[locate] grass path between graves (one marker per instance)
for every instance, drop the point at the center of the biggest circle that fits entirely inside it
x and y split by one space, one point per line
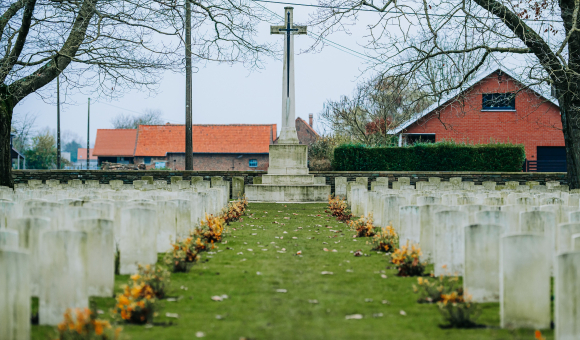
255 310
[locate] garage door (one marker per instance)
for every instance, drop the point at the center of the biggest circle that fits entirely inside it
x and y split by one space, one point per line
551 159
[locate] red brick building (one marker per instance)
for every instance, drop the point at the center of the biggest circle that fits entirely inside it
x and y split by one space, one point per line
215 147
115 145
494 106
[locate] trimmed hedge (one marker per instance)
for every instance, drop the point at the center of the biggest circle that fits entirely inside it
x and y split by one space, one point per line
442 156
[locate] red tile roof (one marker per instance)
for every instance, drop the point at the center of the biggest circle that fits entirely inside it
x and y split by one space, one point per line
158 140
115 142
82 154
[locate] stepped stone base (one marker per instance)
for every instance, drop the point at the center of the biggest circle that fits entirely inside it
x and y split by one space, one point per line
288 179
287 193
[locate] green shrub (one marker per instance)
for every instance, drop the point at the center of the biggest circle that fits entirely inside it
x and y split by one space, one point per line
442 156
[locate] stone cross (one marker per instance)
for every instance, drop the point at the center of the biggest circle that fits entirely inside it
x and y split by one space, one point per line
288 133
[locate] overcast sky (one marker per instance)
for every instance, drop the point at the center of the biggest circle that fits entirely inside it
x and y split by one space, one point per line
224 94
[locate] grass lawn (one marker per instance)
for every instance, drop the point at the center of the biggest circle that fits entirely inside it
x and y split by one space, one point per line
255 310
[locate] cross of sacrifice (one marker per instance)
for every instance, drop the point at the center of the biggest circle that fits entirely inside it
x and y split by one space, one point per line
289 30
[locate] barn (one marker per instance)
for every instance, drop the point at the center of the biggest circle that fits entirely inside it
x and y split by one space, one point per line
494 107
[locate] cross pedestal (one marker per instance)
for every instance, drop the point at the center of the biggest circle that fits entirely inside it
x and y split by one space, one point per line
288 179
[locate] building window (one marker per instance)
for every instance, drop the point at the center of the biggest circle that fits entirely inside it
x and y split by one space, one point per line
499 101
253 163
147 160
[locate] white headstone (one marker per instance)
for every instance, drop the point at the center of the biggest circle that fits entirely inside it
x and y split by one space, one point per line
564 236
481 277
14 295
167 223
183 217
138 241
30 231
508 220
390 210
340 187
472 209
63 275
8 238
567 296
409 226
524 282
101 252
449 242
575 242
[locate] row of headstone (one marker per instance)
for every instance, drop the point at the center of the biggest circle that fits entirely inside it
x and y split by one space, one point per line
59 244
506 244
235 188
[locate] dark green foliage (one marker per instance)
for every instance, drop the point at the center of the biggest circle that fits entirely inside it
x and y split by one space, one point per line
442 156
73 148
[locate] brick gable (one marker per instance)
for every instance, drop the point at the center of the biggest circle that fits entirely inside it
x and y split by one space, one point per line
535 121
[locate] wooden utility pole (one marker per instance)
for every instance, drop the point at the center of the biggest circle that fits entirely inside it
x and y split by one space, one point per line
58 122
88 130
188 122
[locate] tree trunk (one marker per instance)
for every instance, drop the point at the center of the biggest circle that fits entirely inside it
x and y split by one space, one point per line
6 107
569 104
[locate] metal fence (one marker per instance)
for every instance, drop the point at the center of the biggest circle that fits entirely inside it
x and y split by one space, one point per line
545 166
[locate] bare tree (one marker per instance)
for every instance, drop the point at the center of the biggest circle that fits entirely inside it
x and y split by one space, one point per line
22 127
543 36
109 47
376 107
148 117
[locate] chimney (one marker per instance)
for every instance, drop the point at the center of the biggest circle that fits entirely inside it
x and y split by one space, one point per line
310 120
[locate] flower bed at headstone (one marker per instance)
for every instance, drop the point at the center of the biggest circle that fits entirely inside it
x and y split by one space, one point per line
363 226
137 303
430 290
211 229
82 324
455 306
235 210
407 260
386 240
185 253
338 208
458 310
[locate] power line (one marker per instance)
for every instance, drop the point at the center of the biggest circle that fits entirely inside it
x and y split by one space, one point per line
124 109
394 12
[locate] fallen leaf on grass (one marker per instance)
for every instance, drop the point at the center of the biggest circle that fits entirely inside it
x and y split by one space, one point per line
385 302
349 271
281 290
354 317
250 250
325 249
313 301
383 276
358 253
378 315
200 334
294 238
216 298
326 273
368 300
172 315
299 252
334 250
402 312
